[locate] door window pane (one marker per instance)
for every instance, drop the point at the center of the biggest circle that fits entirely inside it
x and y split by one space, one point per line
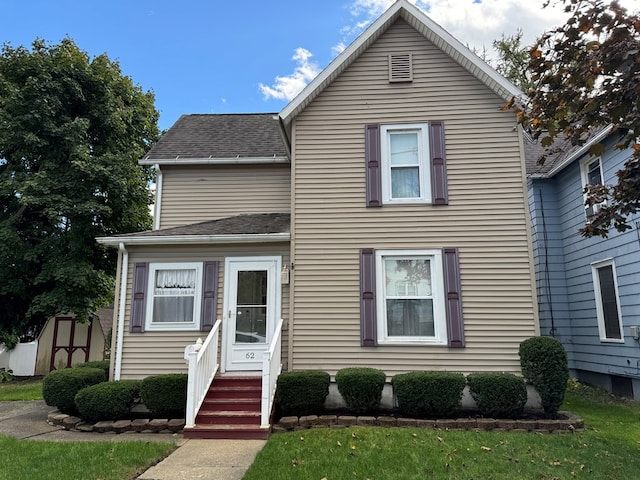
251 307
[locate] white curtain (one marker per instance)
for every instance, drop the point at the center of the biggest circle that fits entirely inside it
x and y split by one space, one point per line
174 294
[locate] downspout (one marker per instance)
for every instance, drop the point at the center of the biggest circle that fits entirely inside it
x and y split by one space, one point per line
123 295
158 199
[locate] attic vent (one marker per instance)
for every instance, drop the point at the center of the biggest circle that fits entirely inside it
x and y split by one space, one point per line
400 67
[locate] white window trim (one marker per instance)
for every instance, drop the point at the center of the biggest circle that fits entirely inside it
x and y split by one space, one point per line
584 175
439 311
173 326
424 170
598 296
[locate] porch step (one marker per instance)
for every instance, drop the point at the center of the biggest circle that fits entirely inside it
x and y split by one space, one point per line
229 417
238 432
231 409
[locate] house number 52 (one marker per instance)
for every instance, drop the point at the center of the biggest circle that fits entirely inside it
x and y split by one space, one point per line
250 356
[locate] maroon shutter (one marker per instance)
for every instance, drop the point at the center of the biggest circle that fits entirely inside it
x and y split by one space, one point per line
453 298
372 160
138 301
368 297
209 295
438 163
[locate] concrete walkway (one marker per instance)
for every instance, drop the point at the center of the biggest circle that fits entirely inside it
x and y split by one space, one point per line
193 460
207 460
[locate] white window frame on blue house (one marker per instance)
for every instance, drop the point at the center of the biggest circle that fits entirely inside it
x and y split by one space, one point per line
596 268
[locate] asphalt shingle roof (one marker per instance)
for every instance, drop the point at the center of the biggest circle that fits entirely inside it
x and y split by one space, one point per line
221 136
248 224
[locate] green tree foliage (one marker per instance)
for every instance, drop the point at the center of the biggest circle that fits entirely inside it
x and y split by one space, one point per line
71 131
513 60
587 76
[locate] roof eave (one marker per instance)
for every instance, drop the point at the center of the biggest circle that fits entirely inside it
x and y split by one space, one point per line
194 239
215 161
580 152
431 30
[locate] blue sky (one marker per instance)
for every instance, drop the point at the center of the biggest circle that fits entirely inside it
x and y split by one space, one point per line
204 56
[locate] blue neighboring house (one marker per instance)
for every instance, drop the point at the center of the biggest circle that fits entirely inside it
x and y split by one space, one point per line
588 288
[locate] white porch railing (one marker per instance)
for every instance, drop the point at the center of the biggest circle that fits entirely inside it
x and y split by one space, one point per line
203 366
271 368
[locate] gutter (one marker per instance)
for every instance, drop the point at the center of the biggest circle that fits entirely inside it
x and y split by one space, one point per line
124 269
194 239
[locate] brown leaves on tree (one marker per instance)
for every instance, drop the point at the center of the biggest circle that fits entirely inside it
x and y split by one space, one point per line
587 77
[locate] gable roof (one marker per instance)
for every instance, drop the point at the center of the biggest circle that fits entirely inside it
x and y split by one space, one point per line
563 153
402 9
220 138
253 228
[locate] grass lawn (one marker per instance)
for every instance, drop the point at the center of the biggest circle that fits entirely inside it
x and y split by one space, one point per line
21 390
608 449
31 459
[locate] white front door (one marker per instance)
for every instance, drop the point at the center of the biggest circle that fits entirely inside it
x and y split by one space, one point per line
251 310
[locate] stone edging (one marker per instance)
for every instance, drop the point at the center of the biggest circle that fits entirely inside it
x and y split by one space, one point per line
569 423
140 425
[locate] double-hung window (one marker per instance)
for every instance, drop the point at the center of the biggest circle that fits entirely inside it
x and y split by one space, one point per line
410 297
405 163
607 305
174 300
591 173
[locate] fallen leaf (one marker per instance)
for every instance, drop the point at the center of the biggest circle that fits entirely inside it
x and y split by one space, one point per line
440 439
556 463
353 435
353 447
339 443
486 449
302 439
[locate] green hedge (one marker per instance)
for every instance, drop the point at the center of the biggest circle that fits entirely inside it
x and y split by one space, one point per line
544 364
107 400
165 395
302 393
498 395
361 388
429 394
60 387
103 364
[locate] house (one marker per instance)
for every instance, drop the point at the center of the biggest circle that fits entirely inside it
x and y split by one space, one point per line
382 215
587 287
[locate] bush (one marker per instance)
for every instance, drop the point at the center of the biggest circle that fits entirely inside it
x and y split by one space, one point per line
498 395
361 388
103 364
302 393
107 400
165 395
544 364
428 394
60 387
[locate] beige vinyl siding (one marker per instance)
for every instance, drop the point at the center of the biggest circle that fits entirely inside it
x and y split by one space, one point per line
485 219
153 353
192 194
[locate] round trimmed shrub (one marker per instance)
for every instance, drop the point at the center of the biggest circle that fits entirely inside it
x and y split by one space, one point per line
103 364
361 388
544 363
107 400
60 387
302 393
165 396
498 395
428 394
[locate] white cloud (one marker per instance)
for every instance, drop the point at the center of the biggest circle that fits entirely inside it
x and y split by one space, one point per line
287 87
475 23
